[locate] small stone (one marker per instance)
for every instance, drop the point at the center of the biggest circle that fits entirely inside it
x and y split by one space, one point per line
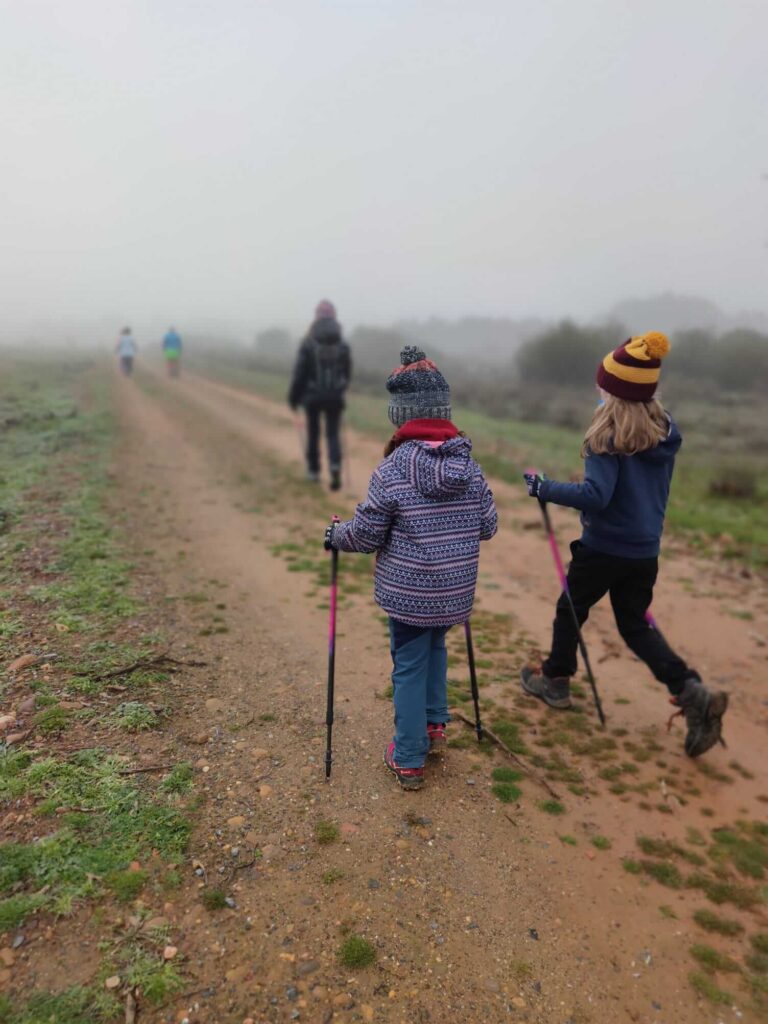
307 967
170 952
7 957
294 1015
251 838
258 753
237 974
470 782
518 1001
491 985
16 737
7 722
533 933
199 739
367 1012
18 941
230 903
235 851
27 706
112 982
374 883
237 822
23 662
265 791
292 993
348 829
214 705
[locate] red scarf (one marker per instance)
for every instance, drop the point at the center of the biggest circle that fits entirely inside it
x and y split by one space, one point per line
422 430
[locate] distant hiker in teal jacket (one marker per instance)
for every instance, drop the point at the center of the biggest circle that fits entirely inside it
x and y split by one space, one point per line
629 453
172 352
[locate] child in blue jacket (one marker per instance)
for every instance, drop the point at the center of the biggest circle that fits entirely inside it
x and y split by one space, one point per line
629 453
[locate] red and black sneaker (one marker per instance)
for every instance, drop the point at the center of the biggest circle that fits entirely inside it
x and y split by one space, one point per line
436 734
409 778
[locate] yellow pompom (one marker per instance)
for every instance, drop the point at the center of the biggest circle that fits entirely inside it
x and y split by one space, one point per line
656 344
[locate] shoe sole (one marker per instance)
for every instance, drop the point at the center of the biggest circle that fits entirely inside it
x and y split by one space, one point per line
437 748
562 704
718 705
410 784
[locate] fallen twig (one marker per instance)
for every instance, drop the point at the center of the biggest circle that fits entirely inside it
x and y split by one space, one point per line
510 753
156 662
241 867
149 768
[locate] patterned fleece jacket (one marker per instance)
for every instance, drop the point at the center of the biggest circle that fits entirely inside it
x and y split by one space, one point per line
428 508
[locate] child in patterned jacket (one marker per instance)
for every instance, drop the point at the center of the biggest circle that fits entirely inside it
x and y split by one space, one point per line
428 508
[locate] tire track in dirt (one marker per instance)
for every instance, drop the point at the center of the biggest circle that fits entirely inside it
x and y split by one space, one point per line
446 883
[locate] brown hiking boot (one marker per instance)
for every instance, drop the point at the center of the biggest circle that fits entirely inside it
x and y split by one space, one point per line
703 711
555 692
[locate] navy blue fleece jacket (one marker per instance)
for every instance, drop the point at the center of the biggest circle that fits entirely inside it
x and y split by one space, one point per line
623 498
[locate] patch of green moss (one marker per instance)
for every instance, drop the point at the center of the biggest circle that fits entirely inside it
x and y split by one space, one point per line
356 952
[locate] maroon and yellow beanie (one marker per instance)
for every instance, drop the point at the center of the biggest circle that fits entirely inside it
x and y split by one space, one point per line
632 370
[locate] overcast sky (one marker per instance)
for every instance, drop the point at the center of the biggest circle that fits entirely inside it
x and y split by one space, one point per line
234 161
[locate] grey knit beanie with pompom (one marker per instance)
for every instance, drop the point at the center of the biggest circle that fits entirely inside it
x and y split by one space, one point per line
417 389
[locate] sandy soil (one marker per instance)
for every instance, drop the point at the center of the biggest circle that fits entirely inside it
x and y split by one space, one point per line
477 909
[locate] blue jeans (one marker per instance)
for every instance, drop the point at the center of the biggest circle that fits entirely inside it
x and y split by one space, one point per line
419 688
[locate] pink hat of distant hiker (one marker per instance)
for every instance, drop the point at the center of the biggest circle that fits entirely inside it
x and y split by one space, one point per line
325 310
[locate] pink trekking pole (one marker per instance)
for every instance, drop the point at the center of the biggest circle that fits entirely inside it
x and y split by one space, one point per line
564 584
331 655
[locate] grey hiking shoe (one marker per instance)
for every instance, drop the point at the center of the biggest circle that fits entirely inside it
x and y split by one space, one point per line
555 692
703 711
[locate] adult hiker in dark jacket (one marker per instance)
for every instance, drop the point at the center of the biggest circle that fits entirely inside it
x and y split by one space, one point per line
320 379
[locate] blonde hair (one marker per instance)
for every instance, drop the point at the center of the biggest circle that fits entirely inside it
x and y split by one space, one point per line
620 427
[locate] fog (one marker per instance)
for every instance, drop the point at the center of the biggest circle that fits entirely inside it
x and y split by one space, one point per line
223 166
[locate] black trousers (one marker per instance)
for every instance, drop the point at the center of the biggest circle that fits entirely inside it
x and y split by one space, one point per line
629 584
332 412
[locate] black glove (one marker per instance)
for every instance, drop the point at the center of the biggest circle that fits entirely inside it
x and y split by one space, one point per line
328 543
533 482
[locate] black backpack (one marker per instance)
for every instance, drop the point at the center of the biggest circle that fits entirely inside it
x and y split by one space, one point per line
330 372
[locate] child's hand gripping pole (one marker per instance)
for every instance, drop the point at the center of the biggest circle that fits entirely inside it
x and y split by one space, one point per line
564 584
331 644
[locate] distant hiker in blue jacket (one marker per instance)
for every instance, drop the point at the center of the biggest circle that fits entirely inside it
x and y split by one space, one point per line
428 508
629 452
172 352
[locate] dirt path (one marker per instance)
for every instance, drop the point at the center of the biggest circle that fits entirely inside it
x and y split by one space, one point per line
477 909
